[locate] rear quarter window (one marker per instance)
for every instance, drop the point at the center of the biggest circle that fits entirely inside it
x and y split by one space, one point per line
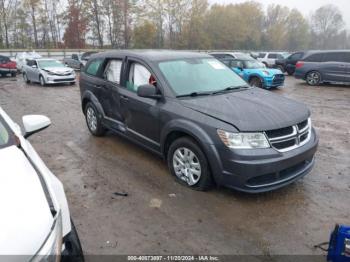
93 67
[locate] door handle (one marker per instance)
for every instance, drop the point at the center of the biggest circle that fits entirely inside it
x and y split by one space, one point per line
99 86
125 98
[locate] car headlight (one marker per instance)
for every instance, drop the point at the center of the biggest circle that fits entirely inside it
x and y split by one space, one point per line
266 73
51 249
243 140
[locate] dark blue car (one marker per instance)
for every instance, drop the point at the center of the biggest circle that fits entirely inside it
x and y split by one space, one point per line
324 67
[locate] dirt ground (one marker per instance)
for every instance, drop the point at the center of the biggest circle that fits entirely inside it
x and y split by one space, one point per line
160 216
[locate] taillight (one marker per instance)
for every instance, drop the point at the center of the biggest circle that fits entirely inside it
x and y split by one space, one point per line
299 64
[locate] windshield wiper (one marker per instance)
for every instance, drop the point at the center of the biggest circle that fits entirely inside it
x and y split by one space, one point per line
193 94
228 89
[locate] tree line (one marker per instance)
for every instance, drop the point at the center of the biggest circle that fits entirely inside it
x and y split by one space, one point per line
175 24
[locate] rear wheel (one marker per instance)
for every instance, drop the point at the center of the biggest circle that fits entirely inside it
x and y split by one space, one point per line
13 74
281 68
189 165
313 78
93 120
255 81
42 81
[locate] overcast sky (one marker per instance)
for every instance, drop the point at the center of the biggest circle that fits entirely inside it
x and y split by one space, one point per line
305 6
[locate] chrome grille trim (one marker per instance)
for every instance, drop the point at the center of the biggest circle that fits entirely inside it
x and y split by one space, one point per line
293 137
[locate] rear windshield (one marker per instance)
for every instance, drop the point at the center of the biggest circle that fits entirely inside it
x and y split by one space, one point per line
6 135
253 64
199 75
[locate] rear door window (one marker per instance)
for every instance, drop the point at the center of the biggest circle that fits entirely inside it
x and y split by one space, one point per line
113 70
333 57
93 67
347 57
314 58
261 55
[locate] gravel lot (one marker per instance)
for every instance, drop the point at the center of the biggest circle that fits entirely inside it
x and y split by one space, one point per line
161 216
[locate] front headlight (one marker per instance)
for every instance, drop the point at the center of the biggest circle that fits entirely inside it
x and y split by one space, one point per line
52 247
266 73
243 140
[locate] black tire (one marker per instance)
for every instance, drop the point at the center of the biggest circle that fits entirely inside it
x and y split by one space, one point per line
313 78
25 78
290 72
96 128
42 81
256 81
73 251
13 74
205 180
72 83
280 67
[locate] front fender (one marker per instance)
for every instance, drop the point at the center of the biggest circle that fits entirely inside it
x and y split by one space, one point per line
201 137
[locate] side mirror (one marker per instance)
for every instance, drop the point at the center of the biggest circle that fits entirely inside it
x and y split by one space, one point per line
149 91
34 123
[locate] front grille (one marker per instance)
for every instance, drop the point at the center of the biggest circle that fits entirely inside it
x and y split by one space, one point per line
278 79
279 177
63 79
288 138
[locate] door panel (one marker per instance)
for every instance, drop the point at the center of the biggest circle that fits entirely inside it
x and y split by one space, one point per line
334 68
140 115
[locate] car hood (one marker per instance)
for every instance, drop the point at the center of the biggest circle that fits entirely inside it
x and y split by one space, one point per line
25 219
58 70
251 110
259 71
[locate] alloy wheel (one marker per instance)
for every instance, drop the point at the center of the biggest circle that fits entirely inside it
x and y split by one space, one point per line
313 78
91 119
187 166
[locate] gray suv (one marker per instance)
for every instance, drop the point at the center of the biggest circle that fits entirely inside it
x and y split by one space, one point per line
318 67
201 117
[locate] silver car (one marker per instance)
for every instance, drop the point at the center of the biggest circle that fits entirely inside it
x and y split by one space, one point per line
47 71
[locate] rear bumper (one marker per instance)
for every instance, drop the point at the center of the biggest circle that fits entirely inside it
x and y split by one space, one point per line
261 170
8 71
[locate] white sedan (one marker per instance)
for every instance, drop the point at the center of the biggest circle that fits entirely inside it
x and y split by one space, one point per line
47 71
35 220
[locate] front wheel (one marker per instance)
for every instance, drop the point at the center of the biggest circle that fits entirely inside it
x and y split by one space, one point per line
255 81
313 78
93 120
42 81
25 78
189 165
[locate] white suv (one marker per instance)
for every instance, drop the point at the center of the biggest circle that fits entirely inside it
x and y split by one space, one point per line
269 58
35 221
